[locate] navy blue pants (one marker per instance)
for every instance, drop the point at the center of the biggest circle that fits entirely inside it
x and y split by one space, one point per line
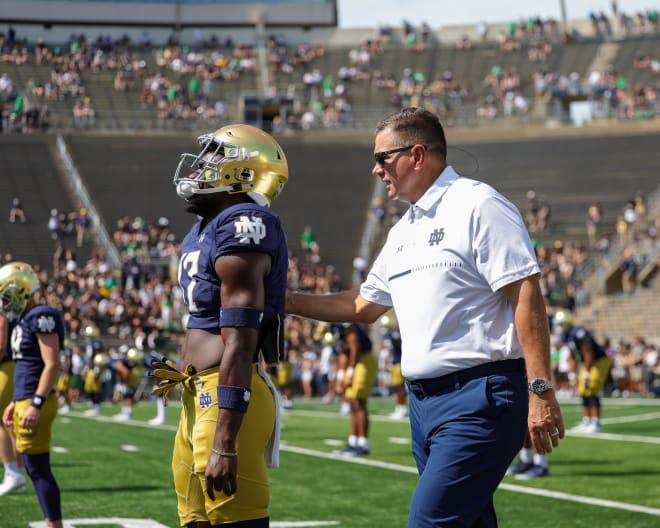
466 430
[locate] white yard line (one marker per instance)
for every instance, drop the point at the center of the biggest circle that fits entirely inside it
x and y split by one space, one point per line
631 418
508 487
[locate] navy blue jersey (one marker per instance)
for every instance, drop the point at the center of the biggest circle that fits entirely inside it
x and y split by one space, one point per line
41 319
577 336
241 228
395 338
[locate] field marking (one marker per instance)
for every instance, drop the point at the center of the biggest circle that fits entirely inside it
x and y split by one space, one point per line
632 418
296 524
124 523
508 487
398 440
581 499
616 437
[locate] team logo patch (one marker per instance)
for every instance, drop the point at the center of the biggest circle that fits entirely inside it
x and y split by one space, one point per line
205 400
250 229
46 324
436 236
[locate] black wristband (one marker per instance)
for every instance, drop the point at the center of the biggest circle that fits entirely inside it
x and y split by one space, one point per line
37 401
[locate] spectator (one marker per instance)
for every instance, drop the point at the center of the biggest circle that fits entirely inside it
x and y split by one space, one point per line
16 212
83 223
629 269
55 224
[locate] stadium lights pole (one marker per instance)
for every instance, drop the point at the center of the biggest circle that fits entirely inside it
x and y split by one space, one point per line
564 21
261 48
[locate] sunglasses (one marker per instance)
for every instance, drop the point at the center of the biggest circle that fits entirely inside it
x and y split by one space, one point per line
380 157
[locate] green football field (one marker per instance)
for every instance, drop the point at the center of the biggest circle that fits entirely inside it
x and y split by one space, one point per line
114 474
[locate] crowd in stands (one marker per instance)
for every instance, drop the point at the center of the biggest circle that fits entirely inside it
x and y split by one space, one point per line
139 304
184 82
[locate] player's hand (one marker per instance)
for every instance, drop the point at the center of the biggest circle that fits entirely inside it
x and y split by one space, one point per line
221 473
8 415
30 419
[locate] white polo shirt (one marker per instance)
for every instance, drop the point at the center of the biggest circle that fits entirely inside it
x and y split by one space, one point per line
440 269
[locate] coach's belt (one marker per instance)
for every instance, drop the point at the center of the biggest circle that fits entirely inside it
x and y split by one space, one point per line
427 387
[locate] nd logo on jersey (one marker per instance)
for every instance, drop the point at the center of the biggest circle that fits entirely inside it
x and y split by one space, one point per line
250 229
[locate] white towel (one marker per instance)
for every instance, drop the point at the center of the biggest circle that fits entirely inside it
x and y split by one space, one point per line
272 452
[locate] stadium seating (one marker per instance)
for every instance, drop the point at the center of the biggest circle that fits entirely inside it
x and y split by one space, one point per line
29 171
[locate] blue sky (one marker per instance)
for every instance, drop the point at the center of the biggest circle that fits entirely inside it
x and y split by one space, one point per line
370 13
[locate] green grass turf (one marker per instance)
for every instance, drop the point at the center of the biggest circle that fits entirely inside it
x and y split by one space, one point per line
101 478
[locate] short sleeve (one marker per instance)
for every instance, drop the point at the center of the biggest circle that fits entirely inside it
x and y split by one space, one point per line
502 248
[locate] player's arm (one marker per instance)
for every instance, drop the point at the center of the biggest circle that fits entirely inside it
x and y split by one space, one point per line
352 340
4 333
344 306
531 324
242 292
587 352
49 347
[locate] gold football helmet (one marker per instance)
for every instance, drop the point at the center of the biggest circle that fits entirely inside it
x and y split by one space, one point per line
563 319
234 159
17 282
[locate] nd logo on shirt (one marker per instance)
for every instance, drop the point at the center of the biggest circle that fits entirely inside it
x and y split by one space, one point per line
250 229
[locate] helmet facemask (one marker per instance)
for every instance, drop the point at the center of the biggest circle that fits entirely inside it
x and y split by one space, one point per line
235 159
17 283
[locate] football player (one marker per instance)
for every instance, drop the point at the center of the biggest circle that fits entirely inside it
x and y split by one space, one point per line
161 410
233 272
93 384
14 480
594 368
357 383
94 374
36 341
127 374
392 340
63 385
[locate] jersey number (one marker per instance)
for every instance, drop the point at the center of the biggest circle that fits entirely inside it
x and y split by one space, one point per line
189 265
16 338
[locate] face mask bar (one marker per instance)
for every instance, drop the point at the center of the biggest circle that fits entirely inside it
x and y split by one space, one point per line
209 171
9 305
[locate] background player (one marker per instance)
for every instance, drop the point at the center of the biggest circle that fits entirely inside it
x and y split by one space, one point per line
13 480
357 384
36 341
593 370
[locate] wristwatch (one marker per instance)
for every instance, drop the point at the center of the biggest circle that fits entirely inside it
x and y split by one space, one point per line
539 385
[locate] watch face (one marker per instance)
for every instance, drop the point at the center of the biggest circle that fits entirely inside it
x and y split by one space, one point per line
539 386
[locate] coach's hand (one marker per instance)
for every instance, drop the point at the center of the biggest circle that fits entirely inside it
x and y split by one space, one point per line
546 425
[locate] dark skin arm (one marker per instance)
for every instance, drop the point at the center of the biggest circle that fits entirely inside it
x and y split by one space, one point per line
354 350
242 277
587 355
